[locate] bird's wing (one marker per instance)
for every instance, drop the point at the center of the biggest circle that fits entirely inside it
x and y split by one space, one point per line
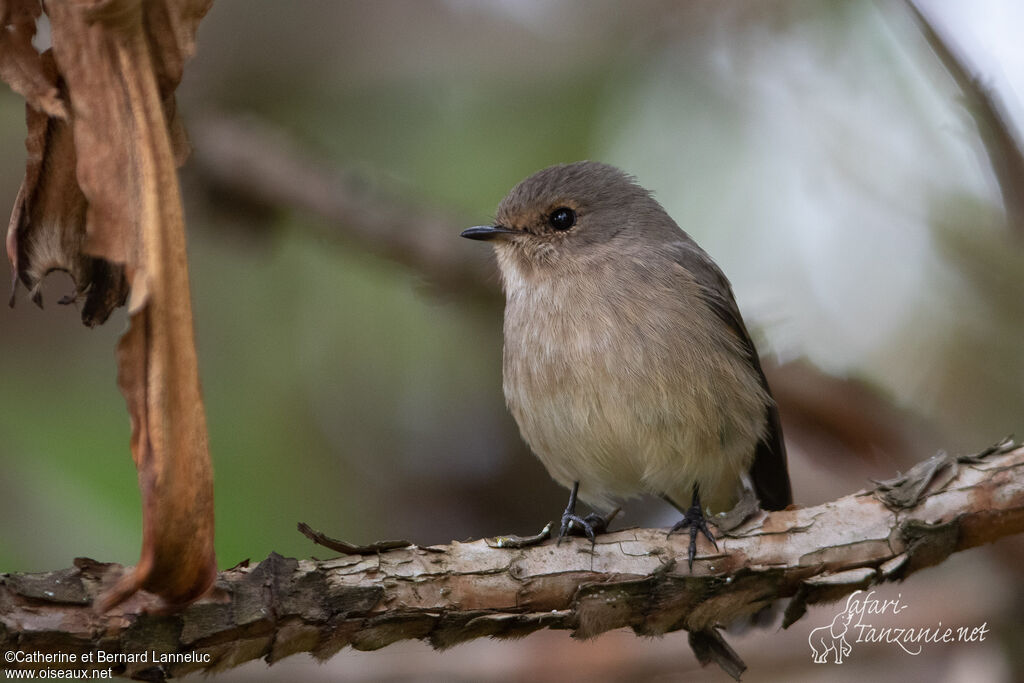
769 472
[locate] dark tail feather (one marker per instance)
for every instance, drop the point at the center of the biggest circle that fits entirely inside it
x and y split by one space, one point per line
769 471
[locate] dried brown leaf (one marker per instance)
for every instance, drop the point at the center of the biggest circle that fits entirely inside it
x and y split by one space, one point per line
101 200
20 63
47 229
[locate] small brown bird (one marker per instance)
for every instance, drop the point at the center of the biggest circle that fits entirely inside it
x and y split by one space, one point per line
626 364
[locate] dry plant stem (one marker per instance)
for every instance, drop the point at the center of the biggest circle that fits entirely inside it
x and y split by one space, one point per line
1003 147
449 594
349 548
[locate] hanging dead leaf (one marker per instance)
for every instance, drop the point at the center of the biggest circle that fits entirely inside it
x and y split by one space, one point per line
101 200
48 228
20 63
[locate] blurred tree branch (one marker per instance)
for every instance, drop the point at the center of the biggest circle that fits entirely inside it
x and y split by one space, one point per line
450 594
993 123
255 162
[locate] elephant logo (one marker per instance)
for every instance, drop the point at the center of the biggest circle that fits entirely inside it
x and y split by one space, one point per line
831 638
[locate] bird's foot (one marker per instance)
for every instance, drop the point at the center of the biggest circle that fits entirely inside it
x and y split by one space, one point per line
694 520
589 526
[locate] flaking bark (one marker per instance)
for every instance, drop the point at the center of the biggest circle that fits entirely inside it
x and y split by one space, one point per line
453 593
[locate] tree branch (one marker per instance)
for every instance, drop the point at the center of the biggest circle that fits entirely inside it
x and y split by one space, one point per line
453 593
251 160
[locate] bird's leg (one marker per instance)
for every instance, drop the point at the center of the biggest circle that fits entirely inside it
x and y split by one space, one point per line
693 519
591 525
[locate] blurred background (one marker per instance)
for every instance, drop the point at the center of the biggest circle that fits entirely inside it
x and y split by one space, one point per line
855 168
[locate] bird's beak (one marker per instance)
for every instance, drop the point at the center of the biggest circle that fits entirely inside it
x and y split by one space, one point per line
486 232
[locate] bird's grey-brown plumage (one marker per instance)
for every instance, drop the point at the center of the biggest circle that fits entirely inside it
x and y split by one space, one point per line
626 363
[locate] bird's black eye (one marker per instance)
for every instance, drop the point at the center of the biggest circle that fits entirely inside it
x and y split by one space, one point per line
562 218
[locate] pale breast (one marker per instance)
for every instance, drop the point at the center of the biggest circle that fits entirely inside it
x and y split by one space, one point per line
620 385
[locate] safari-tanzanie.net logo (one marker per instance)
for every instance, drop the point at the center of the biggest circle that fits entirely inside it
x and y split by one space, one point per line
855 624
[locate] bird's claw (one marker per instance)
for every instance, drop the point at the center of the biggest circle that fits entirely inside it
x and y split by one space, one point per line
588 526
694 520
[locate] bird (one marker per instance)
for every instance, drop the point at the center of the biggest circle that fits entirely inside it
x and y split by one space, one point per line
626 363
